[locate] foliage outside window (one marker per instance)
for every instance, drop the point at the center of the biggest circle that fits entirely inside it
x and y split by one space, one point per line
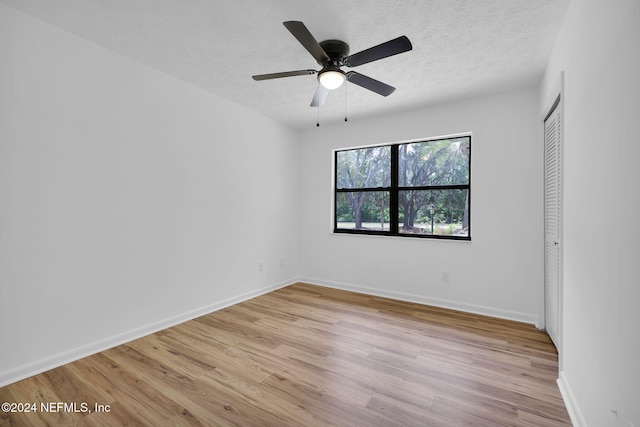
414 189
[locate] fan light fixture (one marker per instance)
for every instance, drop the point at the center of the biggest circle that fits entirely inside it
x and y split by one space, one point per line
333 54
331 79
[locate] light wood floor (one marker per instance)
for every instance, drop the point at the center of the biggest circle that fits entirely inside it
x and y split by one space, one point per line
310 356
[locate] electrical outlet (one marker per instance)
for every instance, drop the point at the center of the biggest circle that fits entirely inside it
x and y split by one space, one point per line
260 265
446 276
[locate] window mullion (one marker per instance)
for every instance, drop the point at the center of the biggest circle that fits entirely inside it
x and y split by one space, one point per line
393 192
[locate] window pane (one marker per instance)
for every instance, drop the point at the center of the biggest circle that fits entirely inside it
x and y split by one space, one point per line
364 168
438 162
363 210
440 212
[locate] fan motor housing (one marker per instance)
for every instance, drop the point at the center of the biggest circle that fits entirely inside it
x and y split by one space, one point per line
336 50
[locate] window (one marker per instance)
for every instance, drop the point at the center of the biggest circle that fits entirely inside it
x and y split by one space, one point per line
414 189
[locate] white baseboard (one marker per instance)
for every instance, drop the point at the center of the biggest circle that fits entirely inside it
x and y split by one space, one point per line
577 419
56 360
420 299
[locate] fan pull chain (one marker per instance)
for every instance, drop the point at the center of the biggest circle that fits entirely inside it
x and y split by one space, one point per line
345 101
318 121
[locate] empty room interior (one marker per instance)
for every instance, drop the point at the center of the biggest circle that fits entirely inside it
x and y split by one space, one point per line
445 239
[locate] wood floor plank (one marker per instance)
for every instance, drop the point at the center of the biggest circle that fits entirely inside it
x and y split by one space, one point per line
311 356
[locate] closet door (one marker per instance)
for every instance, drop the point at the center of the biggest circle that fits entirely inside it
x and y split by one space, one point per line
553 222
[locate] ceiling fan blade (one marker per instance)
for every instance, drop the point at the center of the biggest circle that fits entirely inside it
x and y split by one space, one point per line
390 48
369 83
305 38
320 96
283 74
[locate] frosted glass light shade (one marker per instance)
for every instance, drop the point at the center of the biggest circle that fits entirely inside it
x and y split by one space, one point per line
331 79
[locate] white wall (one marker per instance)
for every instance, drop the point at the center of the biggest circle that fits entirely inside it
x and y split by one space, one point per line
500 272
129 200
598 49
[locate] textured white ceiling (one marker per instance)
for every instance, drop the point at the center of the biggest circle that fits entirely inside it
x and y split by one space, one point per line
461 48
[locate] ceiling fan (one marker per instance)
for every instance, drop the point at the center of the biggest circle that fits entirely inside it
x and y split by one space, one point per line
333 54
